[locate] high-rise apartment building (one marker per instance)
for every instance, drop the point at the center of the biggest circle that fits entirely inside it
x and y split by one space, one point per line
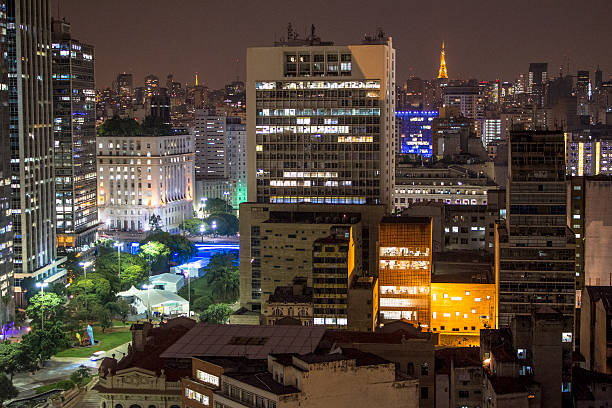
321 122
235 133
210 144
589 151
583 91
535 250
6 230
31 136
74 110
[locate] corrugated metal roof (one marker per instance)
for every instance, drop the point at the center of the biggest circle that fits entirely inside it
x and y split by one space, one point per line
254 342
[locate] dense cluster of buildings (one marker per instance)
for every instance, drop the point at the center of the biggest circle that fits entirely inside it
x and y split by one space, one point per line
439 243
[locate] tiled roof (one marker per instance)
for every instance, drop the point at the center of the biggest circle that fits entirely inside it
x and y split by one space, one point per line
245 340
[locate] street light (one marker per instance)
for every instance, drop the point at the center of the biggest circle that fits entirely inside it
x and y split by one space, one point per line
85 265
119 246
42 286
214 227
202 229
148 288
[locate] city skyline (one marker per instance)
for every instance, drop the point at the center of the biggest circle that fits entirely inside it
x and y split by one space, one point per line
470 32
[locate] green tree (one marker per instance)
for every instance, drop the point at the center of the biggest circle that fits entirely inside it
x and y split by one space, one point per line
134 269
95 284
216 314
202 302
227 224
48 305
10 358
192 225
82 308
227 287
216 205
181 248
42 344
155 222
120 310
157 254
80 375
7 389
120 127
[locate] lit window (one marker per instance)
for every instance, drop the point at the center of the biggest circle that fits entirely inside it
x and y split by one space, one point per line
435 315
566 337
467 293
446 296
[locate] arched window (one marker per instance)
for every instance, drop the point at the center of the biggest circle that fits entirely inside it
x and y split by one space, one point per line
104 405
175 406
118 406
151 406
135 406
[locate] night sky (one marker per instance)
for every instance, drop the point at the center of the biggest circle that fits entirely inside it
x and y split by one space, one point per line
484 39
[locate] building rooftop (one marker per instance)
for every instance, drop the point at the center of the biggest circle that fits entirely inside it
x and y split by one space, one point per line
344 354
461 357
405 220
167 277
583 380
340 337
245 340
264 381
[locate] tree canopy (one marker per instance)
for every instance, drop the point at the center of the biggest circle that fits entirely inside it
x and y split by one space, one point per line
151 126
217 205
216 314
181 249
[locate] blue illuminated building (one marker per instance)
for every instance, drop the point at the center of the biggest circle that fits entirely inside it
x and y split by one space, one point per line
414 131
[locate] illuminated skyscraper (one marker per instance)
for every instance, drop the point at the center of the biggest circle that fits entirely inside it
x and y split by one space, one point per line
442 74
537 83
31 133
75 140
6 233
151 86
414 132
321 122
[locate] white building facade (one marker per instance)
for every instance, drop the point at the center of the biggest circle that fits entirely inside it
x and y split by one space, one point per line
144 176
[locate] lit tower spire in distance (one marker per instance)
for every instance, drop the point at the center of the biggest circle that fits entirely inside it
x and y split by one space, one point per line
442 73
196 79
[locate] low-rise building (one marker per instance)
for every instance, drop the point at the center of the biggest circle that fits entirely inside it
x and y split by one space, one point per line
155 302
143 378
145 181
344 377
443 183
293 301
458 377
167 281
590 388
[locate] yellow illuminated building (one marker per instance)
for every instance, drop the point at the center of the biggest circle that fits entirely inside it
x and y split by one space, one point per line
442 73
463 308
404 271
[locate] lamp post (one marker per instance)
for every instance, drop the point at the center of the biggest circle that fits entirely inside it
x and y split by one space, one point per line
119 246
214 227
148 288
42 286
202 229
85 265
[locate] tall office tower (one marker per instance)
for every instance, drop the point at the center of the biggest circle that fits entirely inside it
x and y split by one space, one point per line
235 132
75 140
210 144
6 233
124 84
492 128
321 122
535 249
31 133
404 272
598 78
160 106
413 129
470 102
583 92
151 85
537 82
442 74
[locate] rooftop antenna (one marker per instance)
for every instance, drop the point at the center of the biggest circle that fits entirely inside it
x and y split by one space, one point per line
196 79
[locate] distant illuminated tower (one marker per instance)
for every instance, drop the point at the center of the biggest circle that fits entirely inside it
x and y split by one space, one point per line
442 73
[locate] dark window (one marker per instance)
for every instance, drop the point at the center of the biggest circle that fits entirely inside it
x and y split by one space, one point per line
424 393
464 394
424 369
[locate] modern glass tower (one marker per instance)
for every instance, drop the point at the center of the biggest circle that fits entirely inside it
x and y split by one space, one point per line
74 129
6 233
31 141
